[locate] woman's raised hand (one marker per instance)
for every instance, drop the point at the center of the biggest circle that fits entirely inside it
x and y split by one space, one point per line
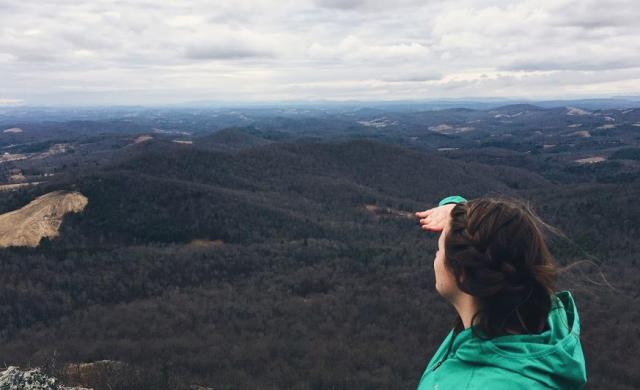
436 218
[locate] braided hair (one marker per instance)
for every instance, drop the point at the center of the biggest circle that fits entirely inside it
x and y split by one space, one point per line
496 251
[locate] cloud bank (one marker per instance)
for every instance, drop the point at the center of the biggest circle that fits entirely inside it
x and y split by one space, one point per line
149 52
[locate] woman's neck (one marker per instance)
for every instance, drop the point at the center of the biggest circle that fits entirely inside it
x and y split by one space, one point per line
466 306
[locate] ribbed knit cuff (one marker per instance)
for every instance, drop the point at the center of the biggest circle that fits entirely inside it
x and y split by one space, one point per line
452 199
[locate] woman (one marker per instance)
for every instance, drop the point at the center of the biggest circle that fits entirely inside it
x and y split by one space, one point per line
513 330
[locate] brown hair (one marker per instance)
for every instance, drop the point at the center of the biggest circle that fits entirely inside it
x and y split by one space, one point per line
496 250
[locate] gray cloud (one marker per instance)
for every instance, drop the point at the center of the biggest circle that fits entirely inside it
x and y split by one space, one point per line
413 78
597 14
341 4
574 65
368 4
216 52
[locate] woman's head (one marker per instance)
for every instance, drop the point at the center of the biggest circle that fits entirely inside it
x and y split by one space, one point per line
494 250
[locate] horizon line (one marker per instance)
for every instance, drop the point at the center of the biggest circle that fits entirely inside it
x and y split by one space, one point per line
240 103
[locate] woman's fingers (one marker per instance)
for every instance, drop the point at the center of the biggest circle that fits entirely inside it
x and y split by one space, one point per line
424 214
431 228
436 218
431 224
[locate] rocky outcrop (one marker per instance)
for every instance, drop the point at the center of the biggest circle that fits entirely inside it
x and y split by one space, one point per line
142 138
40 218
13 378
102 371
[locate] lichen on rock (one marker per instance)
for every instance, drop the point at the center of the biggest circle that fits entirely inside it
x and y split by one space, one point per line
13 378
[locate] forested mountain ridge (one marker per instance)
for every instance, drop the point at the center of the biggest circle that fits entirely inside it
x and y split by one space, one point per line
174 193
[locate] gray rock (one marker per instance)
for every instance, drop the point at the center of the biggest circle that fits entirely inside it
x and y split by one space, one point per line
12 378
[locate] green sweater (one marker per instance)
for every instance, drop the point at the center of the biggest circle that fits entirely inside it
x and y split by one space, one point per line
552 359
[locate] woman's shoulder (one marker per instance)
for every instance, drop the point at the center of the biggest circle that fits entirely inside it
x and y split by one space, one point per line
456 374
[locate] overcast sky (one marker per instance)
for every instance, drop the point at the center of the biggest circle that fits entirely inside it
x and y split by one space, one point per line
154 51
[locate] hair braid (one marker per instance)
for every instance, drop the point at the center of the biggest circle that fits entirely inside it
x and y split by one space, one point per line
496 252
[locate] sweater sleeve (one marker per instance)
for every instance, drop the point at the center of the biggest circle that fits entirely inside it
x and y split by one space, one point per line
452 199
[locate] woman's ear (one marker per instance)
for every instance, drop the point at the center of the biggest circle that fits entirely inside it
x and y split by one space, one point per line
461 277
